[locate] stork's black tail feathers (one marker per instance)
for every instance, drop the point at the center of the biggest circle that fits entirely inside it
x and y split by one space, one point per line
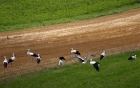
78 53
10 60
5 64
62 58
101 57
130 58
38 61
96 66
34 55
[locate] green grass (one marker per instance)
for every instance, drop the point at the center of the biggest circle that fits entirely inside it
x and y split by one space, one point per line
115 72
22 14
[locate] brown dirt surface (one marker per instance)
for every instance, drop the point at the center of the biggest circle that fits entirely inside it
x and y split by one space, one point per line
114 34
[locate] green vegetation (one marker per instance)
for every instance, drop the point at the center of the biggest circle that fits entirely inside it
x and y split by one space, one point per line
115 72
21 14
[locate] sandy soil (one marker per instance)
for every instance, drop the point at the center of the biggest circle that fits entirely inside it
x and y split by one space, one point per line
114 34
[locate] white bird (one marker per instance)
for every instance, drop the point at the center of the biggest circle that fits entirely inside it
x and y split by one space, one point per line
12 59
5 62
132 57
75 52
83 60
31 54
102 55
38 59
95 64
61 60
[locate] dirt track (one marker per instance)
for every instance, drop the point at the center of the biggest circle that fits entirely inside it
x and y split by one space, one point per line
114 34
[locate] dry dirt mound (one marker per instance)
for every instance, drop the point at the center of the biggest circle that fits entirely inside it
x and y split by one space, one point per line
114 34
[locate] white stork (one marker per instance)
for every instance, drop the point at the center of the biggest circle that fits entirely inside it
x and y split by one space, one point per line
12 59
95 64
38 58
75 52
80 59
31 54
5 62
83 60
61 60
132 57
102 55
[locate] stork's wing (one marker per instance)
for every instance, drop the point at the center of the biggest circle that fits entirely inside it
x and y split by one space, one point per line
89 56
76 58
62 58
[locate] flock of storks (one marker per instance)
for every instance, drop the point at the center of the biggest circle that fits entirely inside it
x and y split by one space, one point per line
10 60
62 59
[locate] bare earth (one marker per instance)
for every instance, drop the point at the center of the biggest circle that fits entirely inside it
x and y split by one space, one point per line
114 34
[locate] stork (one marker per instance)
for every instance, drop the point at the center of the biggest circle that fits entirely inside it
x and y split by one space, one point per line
95 64
83 60
12 59
61 60
31 54
38 58
80 59
102 55
5 62
132 57
75 52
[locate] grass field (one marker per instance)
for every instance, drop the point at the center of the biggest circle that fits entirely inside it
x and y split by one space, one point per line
115 72
19 14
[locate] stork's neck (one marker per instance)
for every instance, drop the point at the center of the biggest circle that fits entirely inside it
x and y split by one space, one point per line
38 55
4 57
13 55
28 51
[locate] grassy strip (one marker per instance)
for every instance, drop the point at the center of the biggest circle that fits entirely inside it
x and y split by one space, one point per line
115 71
19 14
